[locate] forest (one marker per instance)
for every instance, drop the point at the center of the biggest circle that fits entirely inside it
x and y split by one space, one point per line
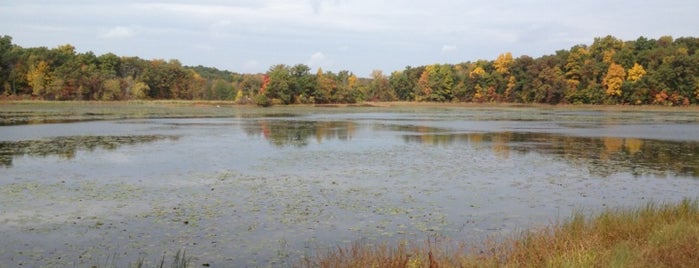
663 71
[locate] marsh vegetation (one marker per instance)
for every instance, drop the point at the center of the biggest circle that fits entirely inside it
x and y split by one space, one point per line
654 235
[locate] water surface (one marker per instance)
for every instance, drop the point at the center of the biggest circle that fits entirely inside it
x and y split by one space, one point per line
265 189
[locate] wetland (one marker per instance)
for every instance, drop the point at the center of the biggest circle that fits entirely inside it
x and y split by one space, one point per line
245 186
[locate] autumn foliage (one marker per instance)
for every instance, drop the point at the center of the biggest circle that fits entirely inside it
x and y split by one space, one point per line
662 71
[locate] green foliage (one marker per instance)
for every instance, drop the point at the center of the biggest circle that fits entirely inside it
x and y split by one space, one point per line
262 100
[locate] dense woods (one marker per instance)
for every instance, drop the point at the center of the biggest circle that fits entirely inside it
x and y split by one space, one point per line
609 71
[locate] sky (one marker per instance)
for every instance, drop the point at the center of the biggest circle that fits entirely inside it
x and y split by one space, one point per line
250 36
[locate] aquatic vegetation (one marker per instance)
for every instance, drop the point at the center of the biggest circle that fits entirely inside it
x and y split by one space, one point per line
179 260
67 147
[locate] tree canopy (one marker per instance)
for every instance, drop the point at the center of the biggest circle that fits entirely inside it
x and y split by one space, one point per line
609 71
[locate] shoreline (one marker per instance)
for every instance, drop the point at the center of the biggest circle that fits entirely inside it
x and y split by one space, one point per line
379 104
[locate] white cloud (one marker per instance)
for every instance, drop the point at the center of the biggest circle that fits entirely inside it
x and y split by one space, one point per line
319 60
118 32
448 48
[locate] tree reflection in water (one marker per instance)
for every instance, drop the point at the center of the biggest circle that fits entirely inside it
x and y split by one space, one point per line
282 133
603 156
67 147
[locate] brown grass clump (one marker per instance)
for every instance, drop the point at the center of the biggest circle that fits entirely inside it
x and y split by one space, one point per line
651 236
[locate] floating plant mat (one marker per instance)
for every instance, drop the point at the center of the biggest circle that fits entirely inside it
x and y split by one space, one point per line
67 147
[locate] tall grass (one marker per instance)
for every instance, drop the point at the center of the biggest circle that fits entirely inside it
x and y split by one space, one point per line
655 235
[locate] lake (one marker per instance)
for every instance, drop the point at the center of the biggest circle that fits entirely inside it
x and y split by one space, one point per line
264 187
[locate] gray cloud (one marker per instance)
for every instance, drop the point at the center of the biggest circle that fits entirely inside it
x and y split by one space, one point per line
386 35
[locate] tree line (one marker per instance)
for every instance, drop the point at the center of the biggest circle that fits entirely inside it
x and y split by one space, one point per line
609 71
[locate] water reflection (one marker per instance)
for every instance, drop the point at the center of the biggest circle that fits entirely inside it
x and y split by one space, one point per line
66 147
282 133
409 128
603 156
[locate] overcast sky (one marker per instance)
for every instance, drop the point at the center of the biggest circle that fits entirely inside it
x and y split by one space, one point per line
354 35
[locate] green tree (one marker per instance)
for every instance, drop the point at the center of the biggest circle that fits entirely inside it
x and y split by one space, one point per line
302 83
401 85
222 90
279 87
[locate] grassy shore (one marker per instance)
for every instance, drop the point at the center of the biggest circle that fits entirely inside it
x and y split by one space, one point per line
651 236
37 112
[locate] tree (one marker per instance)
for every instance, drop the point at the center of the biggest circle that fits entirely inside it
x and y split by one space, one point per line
38 78
614 79
401 85
279 87
603 48
550 86
574 63
223 90
139 91
379 88
503 63
302 83
112 90
636 73
511 84
477 73
251 84
325 89
423 84
109 64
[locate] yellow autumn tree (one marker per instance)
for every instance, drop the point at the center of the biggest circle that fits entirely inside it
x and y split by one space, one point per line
636 73
38 78
608 56
614 79
575 62
478 95
511 83
325 87
476 73
503 63
352 81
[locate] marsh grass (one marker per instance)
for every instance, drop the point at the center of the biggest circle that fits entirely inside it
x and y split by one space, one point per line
654 235
180 260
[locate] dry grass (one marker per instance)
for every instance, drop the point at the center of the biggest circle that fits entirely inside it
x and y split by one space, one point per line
652 236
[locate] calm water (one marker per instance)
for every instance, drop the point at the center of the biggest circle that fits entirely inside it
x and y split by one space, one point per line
266 190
